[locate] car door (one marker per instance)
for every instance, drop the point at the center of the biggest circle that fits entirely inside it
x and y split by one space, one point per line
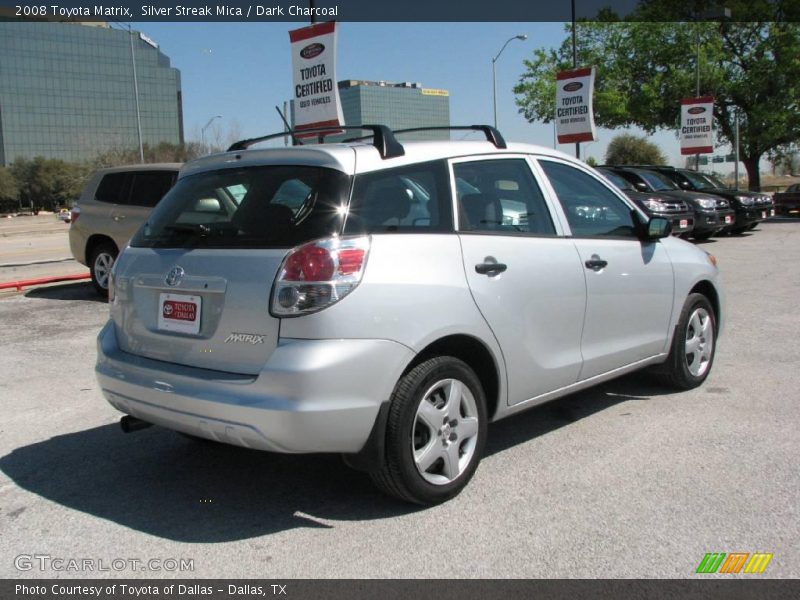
629 283
525 278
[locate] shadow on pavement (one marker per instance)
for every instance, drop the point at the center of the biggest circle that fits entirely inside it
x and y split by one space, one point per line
83 290
163 484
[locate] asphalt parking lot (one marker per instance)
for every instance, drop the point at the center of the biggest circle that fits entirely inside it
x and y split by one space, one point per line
625 480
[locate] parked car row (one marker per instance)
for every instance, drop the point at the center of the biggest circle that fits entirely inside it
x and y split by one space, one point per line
713 207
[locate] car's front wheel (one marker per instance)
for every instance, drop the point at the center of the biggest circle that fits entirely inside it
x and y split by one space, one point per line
435 433
693 345
100 263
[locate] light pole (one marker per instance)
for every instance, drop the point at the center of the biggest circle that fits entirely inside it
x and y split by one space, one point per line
203 130
136 96
522 37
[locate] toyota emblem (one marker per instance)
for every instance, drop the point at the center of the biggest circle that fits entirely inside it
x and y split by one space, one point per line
175 275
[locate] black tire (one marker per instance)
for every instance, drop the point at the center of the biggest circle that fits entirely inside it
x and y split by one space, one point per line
682 370
738 230
752 226
407 428
702 237
101 260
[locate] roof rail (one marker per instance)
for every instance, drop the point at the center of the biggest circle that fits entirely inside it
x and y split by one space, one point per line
492 135
382 138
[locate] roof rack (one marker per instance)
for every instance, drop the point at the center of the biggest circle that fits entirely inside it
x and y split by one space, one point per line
382 138
492 135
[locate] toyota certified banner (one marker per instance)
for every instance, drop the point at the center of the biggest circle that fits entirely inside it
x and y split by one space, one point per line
574 115
316 95
697 118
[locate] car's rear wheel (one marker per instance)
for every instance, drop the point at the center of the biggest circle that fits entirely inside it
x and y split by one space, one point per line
435 433
693 346
100 263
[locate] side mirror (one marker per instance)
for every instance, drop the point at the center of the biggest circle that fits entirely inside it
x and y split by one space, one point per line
658 228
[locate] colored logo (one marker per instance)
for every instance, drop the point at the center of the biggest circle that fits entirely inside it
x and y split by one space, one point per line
312 50
734 562
572 87
696 110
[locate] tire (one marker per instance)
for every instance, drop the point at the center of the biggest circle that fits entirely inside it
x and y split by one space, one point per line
435 432
693 346
100 262
702 237
752 226
738 230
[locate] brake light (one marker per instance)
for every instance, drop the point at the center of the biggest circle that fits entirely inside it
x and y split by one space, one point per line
74 214
317 275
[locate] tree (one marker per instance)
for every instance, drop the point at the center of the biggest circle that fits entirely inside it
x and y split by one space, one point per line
47 183
9 190
644 68
628 149
163 152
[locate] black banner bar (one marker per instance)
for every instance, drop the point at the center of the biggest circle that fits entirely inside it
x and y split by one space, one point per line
393 589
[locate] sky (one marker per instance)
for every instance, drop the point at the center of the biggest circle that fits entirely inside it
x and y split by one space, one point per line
241 71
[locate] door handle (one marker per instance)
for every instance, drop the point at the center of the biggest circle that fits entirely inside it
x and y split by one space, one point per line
488 268
595 263
118 217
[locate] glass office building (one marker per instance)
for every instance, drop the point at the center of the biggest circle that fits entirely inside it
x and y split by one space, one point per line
397 105
67 91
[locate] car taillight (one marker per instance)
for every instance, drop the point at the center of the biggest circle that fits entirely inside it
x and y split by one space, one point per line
74 214
318 274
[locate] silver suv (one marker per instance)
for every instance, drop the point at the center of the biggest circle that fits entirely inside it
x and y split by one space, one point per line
113 205
386 301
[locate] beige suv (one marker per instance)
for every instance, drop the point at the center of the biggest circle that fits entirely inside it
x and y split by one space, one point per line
113 205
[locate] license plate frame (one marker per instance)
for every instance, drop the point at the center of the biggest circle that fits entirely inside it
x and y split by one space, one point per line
179 313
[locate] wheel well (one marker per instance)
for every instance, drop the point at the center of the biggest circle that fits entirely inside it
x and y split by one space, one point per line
709 291
472 352
94 241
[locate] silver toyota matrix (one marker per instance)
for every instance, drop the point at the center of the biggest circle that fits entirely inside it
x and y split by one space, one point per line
386 300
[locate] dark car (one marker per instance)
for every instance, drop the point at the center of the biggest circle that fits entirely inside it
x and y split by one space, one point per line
746 204
655 205
788 203
763 202
711 212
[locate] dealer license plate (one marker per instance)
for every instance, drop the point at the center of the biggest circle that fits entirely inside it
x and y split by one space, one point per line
179 312
728 219
771 212
763 214
684 223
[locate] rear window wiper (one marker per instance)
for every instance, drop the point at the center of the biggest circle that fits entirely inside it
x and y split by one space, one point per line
199 228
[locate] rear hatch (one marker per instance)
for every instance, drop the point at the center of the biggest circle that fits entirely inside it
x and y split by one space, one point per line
194 286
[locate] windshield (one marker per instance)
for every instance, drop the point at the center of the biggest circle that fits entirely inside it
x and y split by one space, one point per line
715 181
698 181
253 207
656 181
617 180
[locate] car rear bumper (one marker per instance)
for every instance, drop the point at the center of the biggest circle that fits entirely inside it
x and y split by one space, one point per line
308 398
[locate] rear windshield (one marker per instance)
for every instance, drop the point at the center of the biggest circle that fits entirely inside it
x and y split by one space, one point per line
251 207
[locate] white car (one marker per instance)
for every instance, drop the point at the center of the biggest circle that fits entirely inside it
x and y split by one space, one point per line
386 301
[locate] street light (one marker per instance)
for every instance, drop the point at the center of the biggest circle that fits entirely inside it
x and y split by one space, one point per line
203 130
521 37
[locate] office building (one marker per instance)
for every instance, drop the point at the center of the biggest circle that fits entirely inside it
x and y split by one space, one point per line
397 105
68 91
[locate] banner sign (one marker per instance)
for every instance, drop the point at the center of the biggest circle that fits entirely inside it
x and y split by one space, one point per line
697 117
316 94
574 115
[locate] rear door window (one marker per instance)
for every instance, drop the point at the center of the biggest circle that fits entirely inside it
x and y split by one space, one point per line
254 207
500 195
113 188
150 186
